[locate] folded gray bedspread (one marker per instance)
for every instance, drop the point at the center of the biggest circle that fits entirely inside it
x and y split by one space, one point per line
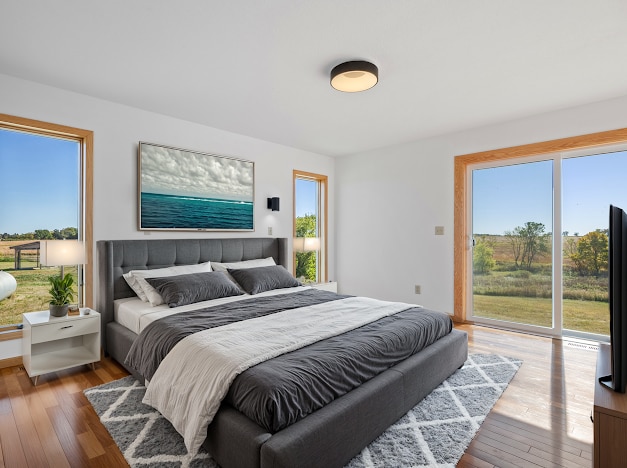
285 389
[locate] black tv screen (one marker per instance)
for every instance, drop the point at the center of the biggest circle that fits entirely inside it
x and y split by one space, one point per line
617 300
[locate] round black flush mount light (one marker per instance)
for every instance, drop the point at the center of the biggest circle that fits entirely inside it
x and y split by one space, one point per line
355 76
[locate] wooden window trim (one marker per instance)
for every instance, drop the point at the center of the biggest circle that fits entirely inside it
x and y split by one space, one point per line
86 140
321 179
461 185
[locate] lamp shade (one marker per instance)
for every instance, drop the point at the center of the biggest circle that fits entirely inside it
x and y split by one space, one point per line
355 76
312 244
62 252
299 244
306 244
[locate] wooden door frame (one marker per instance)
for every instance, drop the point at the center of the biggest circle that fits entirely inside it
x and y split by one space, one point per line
460 281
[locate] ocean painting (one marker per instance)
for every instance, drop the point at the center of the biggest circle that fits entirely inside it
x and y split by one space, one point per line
187 190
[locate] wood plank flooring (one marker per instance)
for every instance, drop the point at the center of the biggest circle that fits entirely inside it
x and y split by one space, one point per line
542 419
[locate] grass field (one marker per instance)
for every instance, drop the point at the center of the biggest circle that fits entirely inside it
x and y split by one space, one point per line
522 296
32 285
525 284
588 316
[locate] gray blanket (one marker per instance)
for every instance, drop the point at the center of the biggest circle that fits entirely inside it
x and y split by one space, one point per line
283 390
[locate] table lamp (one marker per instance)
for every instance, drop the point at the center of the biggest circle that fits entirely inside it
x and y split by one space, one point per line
62 253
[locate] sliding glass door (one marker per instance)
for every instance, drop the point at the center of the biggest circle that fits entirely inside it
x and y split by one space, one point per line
525 277
512 261
590 184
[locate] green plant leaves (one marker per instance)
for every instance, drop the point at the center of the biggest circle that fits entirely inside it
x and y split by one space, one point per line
61 292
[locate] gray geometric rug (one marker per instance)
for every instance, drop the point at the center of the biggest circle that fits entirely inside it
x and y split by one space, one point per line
435 433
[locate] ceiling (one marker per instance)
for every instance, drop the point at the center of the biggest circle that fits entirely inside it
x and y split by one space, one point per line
261 68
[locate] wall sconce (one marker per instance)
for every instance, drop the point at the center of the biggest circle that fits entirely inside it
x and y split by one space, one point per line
306 244
273 203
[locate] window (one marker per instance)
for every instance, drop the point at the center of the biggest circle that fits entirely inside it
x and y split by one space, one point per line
46 194
310 227
511 265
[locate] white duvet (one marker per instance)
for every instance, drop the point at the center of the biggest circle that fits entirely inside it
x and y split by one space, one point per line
189 395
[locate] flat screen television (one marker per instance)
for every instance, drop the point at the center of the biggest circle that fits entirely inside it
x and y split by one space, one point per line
618 300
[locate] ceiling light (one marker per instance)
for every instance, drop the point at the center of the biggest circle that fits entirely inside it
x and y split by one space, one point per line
351 77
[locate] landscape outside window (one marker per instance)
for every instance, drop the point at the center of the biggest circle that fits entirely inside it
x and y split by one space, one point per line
307 225
40 200
512 257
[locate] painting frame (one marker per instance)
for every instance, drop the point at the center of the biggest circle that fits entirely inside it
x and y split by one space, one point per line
186 190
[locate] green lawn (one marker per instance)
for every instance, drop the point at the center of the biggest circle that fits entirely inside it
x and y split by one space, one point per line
31 294
585 316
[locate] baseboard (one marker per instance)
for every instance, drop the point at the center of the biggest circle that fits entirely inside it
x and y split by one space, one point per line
11 362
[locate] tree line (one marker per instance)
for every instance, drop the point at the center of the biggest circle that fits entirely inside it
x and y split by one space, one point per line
43 234
306 261
529 242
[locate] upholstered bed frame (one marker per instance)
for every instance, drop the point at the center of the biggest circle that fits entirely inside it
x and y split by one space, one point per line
331 436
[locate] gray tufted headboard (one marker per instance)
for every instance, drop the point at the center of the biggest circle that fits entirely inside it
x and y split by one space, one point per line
116 257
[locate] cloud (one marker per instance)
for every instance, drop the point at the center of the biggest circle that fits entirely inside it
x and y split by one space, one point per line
178 172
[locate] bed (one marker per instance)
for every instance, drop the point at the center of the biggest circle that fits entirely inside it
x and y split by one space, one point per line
328 437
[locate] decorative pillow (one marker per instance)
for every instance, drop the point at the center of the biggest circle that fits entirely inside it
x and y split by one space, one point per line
148 293
258 262
260 279
195 287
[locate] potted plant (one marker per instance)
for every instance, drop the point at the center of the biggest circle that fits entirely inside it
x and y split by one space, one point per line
61 294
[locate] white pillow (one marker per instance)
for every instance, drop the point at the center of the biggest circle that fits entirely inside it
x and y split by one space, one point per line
258 262
132 282
149 293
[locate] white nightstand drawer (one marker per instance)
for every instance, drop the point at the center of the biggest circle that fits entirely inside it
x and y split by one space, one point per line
64 329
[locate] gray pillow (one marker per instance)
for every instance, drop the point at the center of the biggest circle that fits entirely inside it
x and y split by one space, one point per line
260 279
194 287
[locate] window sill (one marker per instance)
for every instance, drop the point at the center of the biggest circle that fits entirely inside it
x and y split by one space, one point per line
10 333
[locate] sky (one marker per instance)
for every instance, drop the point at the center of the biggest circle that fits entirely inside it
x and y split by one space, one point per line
39 182
509 196
184 173
306 197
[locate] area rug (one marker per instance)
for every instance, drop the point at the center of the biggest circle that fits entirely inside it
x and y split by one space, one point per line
435 433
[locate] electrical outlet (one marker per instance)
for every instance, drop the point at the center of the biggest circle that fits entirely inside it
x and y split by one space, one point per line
269 230
417 289
439 230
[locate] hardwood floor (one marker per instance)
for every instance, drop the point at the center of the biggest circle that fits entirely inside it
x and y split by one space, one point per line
53 424
542 419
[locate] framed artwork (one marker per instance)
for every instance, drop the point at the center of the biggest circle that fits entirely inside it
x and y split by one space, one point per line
190 191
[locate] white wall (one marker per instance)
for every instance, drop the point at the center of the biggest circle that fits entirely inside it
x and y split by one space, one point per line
389 201
117 130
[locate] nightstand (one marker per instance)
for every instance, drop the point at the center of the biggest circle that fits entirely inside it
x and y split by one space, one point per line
329 286
51 344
